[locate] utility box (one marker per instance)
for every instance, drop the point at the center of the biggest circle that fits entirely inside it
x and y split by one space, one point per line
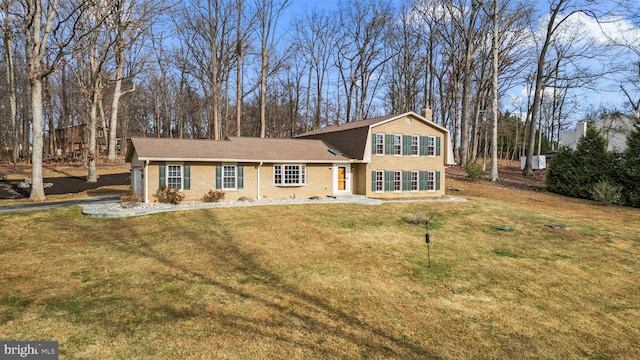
539 162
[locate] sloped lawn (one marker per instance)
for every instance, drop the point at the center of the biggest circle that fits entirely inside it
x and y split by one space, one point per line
330 281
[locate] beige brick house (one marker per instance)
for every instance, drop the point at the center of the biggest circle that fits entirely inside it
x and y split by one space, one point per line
400 156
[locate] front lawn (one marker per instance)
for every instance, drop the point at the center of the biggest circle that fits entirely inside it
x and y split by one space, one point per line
330 281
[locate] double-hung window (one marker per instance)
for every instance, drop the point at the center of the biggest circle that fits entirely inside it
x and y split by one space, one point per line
415 178
415 145
379 144
229 177
431 180
290 175
379 181
174 177
431 146
397 144
397 180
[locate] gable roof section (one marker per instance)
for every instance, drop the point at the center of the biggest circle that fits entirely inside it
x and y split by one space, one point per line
352 138
237 149
349 126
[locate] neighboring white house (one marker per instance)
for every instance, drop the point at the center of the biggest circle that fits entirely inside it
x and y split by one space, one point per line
614 129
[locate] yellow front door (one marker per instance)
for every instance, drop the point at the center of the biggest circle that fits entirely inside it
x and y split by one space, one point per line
342 178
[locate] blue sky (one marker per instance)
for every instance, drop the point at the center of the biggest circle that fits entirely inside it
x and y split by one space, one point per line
607 94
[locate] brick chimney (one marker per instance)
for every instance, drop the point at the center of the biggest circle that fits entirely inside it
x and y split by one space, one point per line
427 113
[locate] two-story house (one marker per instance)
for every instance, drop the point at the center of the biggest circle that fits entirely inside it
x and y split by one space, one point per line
400 156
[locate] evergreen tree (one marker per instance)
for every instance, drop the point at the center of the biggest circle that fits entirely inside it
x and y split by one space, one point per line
560 173
574 173
593 161
632 166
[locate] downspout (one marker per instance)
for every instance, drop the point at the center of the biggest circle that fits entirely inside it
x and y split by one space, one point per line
146 181
258 192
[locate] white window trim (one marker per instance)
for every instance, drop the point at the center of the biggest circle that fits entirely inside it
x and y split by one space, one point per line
166 176
381 173
381 135
417 183
235 177
397 136
303 174
429 174
417 138
395 172
431 140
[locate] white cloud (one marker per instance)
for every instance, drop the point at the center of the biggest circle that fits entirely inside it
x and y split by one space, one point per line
586 29
608 30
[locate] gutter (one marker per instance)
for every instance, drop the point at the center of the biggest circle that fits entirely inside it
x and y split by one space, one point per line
259 197
146 182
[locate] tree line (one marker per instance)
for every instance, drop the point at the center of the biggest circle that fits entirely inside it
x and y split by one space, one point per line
218 68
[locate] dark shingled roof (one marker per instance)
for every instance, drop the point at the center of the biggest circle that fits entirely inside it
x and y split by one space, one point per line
348 126
350 138
240 149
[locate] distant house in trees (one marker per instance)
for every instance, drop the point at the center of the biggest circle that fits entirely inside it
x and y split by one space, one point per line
614 129
73 139
398 156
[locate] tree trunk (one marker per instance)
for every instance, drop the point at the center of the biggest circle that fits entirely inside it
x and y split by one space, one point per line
11 88
239 89
92 153
493 176
65 114
52 133
113 121
539 87
115 101
37 184
263 91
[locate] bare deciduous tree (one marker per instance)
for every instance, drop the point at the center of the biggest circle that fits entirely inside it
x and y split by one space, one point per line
268 13
315 36
8 27
40 19
129 20
361 55
493 176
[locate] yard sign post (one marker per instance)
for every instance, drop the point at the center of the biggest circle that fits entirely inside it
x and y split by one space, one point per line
428 249
428 240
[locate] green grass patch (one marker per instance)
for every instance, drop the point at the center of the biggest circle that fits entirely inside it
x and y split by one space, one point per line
506 253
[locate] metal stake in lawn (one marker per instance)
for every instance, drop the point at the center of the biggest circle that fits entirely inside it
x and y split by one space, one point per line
426 222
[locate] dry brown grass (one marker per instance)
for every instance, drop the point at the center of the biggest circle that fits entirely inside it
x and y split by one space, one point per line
330 281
